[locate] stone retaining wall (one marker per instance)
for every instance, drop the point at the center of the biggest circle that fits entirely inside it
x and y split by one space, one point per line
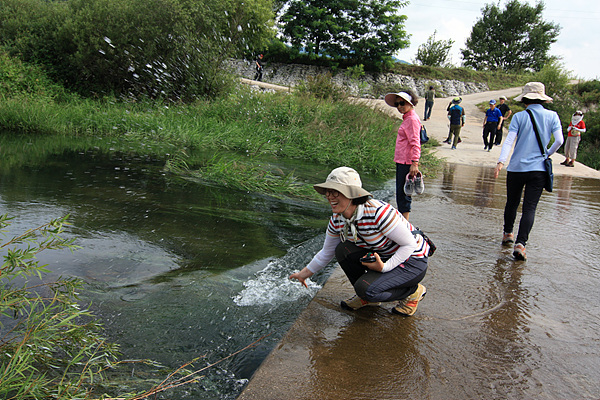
291 74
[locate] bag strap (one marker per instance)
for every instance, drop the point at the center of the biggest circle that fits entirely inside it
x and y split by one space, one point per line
537 133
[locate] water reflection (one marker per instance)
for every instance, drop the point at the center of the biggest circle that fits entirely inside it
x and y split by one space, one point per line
517 330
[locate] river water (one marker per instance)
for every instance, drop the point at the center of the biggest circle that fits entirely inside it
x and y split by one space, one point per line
178 270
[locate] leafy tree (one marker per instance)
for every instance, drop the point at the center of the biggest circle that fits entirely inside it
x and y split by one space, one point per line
555 78
434 53
158 48
513 39
367 32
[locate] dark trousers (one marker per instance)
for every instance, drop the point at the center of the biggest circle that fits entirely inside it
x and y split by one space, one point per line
489 133
374 286
428 108
403 202
533 182
258 75
498 138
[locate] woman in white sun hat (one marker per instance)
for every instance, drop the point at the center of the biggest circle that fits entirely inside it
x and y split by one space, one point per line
408 149
361 225
526 170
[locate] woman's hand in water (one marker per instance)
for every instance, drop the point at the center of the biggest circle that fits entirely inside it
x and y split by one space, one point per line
302 276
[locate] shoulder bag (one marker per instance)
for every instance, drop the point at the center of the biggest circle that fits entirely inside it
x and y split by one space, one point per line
547 160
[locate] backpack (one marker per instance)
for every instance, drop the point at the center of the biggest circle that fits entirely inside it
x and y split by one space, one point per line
424 137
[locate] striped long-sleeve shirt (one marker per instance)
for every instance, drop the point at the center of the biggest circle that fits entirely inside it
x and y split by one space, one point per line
380 228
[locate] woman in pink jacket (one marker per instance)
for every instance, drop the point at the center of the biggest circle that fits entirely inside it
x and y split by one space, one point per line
409 179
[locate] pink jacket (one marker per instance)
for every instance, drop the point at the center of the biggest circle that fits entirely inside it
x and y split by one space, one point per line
408 141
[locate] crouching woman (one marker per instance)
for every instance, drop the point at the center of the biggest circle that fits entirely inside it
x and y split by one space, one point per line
361 225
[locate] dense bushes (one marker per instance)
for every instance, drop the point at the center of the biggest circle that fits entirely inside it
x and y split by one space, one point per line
158 48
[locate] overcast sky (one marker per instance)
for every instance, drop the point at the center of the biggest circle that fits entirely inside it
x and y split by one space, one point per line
577 43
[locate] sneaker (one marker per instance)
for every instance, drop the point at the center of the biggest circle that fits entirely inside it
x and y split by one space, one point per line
419 185
409 186
355 302
485 147
453 147
564 163
459 140
519 252
571 164
408 306
508 239
446 141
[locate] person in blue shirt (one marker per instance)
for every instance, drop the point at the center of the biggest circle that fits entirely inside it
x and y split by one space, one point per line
491 123
526 170
456 115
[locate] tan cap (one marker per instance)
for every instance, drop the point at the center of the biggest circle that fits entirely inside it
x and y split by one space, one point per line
534 91
346 181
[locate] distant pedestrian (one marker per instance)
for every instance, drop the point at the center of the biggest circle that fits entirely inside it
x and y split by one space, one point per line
575 129
259 68
506 113
491 124
429 99
526 169
456 115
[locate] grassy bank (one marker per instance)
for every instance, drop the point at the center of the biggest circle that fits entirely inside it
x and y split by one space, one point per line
237 135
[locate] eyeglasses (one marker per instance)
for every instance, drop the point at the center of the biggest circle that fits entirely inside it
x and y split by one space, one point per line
332 193
400 103
578 114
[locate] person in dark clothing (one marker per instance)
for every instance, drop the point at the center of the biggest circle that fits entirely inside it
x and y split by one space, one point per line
259 68
456 115
491 124
429 99
506 113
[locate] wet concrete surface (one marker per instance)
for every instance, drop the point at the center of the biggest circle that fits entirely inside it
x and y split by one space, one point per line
490 327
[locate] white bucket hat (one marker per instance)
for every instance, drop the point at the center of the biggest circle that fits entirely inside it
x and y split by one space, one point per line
346 181
390 98
534 91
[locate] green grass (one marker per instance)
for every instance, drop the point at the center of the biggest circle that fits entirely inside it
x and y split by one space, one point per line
248 127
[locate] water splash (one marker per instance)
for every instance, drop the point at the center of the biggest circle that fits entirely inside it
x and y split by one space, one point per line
272 286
